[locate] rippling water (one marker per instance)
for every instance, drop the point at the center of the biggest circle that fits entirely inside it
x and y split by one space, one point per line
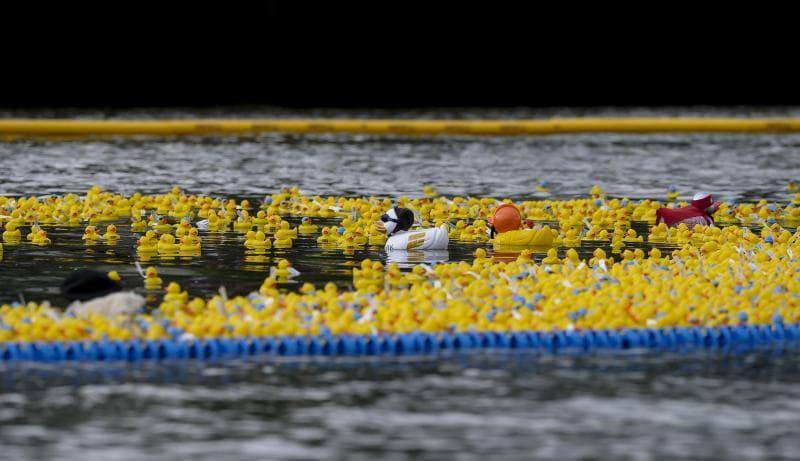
461 406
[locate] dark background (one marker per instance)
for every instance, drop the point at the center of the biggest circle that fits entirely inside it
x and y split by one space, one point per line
309 54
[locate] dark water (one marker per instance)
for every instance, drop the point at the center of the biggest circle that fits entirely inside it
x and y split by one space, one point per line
465 407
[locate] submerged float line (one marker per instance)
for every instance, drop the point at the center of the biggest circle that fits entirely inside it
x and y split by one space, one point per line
740 338
11 129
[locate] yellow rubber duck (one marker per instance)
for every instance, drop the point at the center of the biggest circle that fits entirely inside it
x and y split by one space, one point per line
658 234
327 237
600 255
90 234
12 234
283 239
166 244
572 257
161 225
630 236
377 236
282 271
307 226
261 218
175 295
151 279
525 257
429 191
552 257
572 238
243 223
182 228
672 194
543 187
138 224
190 243
792 186
259 240
111 235
34 230
617 245
41 238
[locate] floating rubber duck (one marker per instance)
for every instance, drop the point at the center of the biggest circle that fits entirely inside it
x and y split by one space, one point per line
617 244
90 234
166 244
261 218
658 234
243 223
183 227
175 295
543 187
307 226
377 236
525 257
190 243
41 238
572 238
672 193
151 279
284 271
552 257
12 233
600 255
34 230
630 236
572 257
138 224
283 238
327 237
111 235
259 240
792 186
429 191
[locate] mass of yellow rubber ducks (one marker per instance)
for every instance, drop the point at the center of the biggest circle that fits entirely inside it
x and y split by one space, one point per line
710 276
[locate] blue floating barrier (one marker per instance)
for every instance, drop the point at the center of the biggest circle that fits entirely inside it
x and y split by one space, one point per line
180 349
209 349
134 351
793 331
709 338
104 351
519 341
9 352
403 345
486 340
534 339
372 347
429 343
446 341
24 351
150 351
778 332
359 345
547 340
73 351
502 340
269 346
227 348
344 346
670 338
167 349
194 350
43 352
314 347
475 339
631 339
461 341
386 345
614 340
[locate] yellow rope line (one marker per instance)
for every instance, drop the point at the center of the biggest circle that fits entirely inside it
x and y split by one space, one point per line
67 128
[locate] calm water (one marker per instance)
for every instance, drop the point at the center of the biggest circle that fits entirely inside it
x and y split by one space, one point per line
461 406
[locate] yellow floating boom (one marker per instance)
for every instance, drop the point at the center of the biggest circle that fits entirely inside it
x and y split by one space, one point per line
68 128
